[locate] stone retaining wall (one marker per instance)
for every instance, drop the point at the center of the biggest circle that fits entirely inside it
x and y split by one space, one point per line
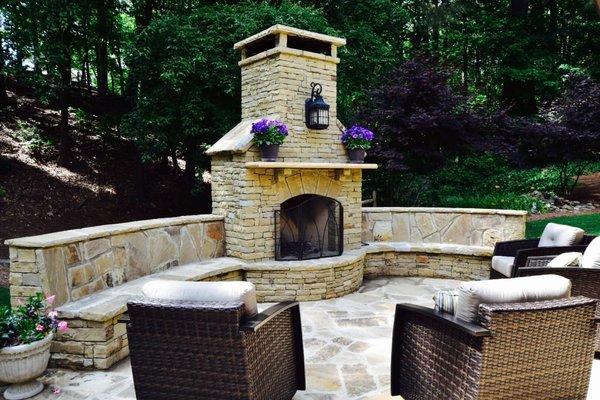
74 264
475 227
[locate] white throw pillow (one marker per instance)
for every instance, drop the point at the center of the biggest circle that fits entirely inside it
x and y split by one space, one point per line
560 235
225 292
515 290
591 255
445 300
571 259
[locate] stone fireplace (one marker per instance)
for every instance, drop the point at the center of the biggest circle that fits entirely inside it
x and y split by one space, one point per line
309 226
307 204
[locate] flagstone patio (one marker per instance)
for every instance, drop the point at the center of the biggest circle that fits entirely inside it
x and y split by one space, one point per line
347 345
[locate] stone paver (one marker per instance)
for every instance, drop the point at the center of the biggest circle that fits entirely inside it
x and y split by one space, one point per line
347 345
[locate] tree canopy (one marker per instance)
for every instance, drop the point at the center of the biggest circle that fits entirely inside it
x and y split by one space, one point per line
166 75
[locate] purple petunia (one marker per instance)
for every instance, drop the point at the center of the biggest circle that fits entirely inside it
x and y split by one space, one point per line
263 126
357 132
269 131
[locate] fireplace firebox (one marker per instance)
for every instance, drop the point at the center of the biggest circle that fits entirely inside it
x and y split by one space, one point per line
309 226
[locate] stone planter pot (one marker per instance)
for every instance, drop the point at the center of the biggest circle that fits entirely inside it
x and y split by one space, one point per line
357 156
21 365
269 152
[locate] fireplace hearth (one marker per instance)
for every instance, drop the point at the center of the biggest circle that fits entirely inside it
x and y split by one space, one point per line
308 226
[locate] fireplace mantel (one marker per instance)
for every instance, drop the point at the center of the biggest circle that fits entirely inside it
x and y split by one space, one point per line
307 165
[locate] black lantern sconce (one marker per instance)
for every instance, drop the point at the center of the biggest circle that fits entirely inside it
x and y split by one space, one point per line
316 110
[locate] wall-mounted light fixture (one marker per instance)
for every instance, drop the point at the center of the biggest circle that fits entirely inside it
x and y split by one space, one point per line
316 110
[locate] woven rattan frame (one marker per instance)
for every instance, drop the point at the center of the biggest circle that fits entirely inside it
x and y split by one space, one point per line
584 282
527 351
185 351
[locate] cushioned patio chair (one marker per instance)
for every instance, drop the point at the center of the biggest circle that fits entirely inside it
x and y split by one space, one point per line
585 279
520 350
556 239
208 342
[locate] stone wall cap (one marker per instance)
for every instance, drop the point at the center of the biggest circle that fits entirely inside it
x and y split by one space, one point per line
347 258
443 210
291 31
430 248
239 139
94 232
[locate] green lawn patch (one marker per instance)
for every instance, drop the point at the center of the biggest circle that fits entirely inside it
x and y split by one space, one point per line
589 222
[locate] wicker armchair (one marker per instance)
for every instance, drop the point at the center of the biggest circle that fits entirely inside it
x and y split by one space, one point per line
523 249
195 351
584 281
527 351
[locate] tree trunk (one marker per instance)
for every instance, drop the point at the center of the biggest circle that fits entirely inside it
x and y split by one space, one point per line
64 149
518 96
3 94
140 176
102 31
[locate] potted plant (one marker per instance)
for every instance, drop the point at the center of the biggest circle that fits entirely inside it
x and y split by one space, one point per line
25 336
357 140
269 135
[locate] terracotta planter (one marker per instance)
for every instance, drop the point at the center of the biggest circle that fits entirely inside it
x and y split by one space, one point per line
269 152
357 156
21 365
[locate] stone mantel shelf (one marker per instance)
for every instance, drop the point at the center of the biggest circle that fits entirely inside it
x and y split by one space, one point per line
307 165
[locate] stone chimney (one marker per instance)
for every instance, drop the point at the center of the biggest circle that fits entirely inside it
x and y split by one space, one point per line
278 66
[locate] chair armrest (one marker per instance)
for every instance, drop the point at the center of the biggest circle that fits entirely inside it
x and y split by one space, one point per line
509 248
254 323
422 340
522 256
447 319
544 305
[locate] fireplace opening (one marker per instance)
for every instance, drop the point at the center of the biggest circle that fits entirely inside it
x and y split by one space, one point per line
309 226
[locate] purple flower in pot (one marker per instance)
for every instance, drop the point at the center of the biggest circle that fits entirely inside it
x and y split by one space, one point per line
269 134
357 140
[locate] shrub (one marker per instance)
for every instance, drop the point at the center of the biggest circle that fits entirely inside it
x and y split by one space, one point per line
34 139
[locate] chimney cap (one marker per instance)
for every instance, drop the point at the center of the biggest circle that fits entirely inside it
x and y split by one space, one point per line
290 31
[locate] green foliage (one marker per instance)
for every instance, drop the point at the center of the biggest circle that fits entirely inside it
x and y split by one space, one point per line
3 192
29 322
588 222
483 181
34 139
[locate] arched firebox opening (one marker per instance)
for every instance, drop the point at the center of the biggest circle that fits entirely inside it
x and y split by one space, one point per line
309 226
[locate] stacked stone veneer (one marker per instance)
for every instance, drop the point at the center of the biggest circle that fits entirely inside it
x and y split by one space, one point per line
75 264
248 199
431 265
472 227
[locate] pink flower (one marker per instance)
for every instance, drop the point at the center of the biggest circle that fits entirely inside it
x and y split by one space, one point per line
55 390
50 299
39 328
63 326
53 314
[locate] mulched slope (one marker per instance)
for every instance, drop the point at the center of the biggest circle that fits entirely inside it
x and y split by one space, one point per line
97 189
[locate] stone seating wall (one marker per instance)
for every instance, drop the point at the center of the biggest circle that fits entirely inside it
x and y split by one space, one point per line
95 271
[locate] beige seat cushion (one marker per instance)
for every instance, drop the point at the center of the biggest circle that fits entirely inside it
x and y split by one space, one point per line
591 255
515 290
503 264
570 259
204 292
560 235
